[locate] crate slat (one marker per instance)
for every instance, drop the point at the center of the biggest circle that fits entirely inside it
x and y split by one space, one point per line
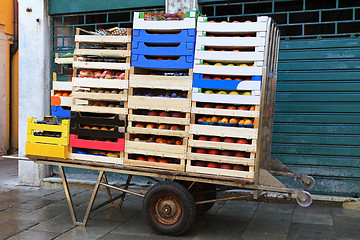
222 145
159 103
101 65
159 120
155 149
163 82
164 132
236 132
100 83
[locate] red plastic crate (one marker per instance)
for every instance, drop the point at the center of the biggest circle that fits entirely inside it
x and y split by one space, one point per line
118 146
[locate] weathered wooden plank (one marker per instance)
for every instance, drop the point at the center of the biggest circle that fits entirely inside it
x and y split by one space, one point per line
345 161
347 74
319 87
317 97
353 140
316 149
316 128
324 43
345 118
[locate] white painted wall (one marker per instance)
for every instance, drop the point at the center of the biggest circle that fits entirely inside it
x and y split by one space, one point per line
34 79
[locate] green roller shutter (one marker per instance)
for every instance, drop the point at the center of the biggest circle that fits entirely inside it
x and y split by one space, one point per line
317 113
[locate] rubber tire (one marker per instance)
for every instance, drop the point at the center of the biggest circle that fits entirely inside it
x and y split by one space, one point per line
201 187
183 197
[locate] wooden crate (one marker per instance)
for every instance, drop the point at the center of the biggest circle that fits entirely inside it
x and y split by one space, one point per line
159 103
156 149
167 166
96 158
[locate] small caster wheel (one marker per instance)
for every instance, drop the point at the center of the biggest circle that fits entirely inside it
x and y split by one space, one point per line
307 182
169 208
303 198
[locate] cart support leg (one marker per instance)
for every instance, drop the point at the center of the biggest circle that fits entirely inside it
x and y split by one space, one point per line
69 200
107 189
126 188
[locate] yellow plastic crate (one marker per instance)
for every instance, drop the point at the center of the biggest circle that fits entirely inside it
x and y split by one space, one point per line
57 147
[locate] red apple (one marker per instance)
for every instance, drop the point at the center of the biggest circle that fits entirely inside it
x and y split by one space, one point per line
209 106
175 128
164 114
152 114
212 165
150 126
97 74
176 115
139 125
159 59
200 164
242 141
225 166
238 167
163 161
235 21
203 138
83 73
242 108
229 140
211 49
219 107
217 78
151 159
201 150
140 158
214 152
163 126
240 154
226 153
231 107
215 139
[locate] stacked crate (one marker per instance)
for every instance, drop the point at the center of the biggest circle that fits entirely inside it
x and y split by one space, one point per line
99 96
47 138
230 63
61 90
160 93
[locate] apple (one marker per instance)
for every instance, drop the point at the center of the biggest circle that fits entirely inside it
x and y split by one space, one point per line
240 154
203 138
217 78
211 49
242 141
163 161
209 92
219 107
139 125
175 128
212 165
176 115
164 114
229 140
150 126
214 152
209 106
235 21
83 73
242 108
238 79
252 108
200 164
231 107
215 139
227 78
151 159
206 77
222 92
238 168
140 158
225 166
106 74
97 74
159 59
152 114
163 126
226 153
224 120
201 150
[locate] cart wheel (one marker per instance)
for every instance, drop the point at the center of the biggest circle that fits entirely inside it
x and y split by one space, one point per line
307 182
169 208
303 198
196 190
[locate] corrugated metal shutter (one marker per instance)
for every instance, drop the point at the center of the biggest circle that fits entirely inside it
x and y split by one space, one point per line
317 113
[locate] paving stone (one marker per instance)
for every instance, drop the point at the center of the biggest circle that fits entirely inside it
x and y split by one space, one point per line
276 207
58 224
45 213
134 226
14 226
31 235
345 213
112 236
94 229
347 227
313 215
304 231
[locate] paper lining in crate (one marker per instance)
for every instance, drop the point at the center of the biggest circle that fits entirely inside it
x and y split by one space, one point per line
233 155
47 138
141 23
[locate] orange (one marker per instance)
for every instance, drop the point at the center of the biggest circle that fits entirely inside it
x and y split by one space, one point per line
163 161
178 142
95 128
151 159
70 95
58 94
233 120
104 128
65 94
159 140
86 127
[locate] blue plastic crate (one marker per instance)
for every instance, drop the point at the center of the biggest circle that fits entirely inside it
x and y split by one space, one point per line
200 82
58 111
183 62
185 35
181 49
